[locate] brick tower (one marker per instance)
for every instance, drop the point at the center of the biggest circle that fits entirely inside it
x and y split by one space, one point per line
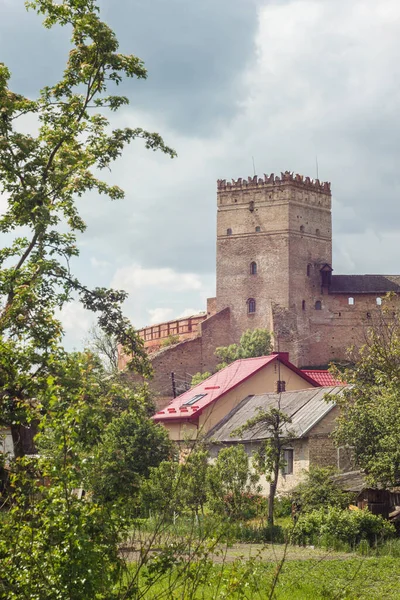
274 235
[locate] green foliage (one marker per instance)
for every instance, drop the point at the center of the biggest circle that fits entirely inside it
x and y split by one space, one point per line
229 481
199 377
325 526
320 490
268 460
41 175
368 420
130 445
170 341
253 343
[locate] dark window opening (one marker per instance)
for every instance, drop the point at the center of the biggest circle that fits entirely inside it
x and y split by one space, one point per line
251 205
258 229
308 270
251 305
318 305
253 268
280 386
194 400
317 231
229 231
302 228
288 458
303 305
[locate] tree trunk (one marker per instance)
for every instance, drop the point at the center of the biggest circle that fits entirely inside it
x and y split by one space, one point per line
272 491
17 438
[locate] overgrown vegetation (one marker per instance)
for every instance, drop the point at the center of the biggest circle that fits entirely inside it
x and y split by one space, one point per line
253 343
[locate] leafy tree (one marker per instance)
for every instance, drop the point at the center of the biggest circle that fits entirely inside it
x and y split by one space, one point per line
253 343
130 445
368 420
268 459
106 348
229 480
41 175
199 377
319 489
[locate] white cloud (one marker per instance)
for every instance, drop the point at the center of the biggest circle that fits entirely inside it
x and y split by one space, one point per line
99 264
135 277
76 322
159 315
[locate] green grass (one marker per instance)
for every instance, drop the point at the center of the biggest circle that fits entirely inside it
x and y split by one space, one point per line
351 579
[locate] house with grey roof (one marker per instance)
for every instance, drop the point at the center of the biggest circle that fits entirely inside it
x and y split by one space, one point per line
312 416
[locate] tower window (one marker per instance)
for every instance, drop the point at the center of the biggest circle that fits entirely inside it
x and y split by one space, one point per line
351 301
379 301
308 270
251 305
258 229
318 305
229 231
253 268
302 228
317 232
303 305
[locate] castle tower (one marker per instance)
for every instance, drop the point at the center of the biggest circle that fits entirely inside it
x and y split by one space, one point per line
274 234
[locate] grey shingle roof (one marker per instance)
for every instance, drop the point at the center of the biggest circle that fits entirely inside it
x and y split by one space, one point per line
305 407
364 284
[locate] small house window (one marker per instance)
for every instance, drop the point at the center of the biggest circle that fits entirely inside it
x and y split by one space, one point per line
318 305
253 268
288 458
251 305
379 301
308 270
229 231
303 305
258 229
280 386
302 228
351 301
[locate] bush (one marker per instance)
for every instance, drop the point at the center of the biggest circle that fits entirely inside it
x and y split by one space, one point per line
326 527
170 341
319 489
250 506
283 507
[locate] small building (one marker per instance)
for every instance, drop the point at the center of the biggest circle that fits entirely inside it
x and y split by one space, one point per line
379 501
198 410
313 420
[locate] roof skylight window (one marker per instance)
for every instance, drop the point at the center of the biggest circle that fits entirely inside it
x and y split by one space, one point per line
194 400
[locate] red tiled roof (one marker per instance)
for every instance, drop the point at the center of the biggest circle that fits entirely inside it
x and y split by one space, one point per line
323 377
219 384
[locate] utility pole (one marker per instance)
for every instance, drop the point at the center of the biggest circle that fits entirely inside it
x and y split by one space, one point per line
173 384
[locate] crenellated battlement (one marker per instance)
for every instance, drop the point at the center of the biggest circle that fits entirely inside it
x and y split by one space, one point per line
288 177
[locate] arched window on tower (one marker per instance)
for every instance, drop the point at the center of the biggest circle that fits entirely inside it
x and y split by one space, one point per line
318 305
251 306
302 228
308 270
253 268
303 305
258 229
379 301
229 231
351 301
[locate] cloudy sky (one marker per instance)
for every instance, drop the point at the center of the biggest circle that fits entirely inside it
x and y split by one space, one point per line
280 81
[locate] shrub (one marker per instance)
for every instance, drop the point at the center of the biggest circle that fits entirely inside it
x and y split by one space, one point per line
250 506
319 489
283 507
170 341
327 526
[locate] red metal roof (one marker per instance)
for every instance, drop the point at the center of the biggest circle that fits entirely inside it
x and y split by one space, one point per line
323 377
220 383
